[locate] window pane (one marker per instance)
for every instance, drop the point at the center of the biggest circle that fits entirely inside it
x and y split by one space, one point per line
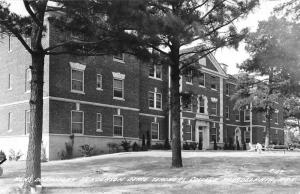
117 121
151 70
117 131
77 85
77 75
154 130
201 80
76 127
99 81
151 99
158 71
118 93
77 116
158 100
118 83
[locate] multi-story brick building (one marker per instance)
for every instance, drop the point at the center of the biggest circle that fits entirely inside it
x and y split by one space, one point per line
107 99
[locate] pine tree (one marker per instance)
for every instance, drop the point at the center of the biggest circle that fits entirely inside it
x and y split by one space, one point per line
82 17
169 26
274 59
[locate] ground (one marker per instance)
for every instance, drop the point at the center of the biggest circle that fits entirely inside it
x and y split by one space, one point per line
150 172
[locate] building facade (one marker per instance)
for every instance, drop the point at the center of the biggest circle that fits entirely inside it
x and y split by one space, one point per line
106 99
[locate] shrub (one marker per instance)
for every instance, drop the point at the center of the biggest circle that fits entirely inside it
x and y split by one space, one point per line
244 146
144 148
193 145
2 155
186 146
215 144
69 150
167 145
158 146
238 145
135 147
280 147
126 145
200 145
113 147
86 150
148 140
14 155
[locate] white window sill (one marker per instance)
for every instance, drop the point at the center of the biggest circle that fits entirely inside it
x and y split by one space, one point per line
9 89
116 98
276 123
27 92
156 78
214 89
77 134
246 120
188 111
227 119
151 108
119 60
99 89
189 83
77 92
237 121
227 95
99 130
201 86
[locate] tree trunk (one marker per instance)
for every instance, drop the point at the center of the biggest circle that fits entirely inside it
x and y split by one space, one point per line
267 138
175 118
33 162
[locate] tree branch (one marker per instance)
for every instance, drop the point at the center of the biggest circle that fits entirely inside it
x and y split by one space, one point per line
33 16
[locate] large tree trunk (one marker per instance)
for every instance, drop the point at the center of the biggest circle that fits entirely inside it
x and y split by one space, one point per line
33 162
267 138
175 117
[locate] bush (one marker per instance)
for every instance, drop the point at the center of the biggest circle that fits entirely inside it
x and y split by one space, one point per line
167 145
215 144
200 145
244 146
69 150
126 145
113 147
2 155
148 140
186 146
144 148
135 147
86 150
193 145
158 146
280 147
14 155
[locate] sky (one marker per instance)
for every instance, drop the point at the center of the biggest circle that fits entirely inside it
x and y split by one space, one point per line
230 57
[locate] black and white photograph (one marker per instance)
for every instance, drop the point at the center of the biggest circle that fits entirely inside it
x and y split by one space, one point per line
149 96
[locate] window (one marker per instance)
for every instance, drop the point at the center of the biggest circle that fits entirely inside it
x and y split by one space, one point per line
9 84
118 88
201 105
9 123
155 71
213 84
189 78
227 89
214 108
27 121
77 80
154 130
189 107
99 82
118 125
237 115
213 133
227 112
155 100
202 80
77 119
119 58
276 116
28 78
187 130
247 115
99 122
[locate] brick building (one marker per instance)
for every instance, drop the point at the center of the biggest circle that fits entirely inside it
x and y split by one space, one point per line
107 99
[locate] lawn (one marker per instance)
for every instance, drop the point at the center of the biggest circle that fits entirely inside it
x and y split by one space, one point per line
150 172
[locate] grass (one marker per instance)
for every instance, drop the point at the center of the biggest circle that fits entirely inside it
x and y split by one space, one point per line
150 172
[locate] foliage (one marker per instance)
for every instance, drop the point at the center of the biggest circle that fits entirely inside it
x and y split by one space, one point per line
14 155
144 147
166 27
215 144
135 147
157 146
113 147
244 146
126 145
189 145
167 145
3 156
200 145
290 8
148 142
273 55
86 150
69 150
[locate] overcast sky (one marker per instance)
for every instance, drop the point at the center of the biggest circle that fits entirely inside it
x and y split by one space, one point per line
231 57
